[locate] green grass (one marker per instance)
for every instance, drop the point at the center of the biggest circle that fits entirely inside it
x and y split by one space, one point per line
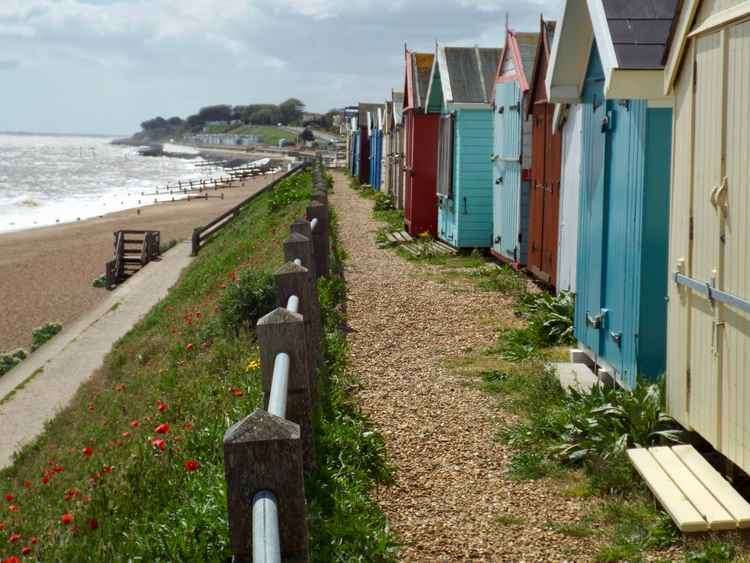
268 134
132 501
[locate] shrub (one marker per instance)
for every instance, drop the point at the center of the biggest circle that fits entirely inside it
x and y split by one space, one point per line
294 188
101 281
550 316
10 360
250 296
44 333
606 421
383 202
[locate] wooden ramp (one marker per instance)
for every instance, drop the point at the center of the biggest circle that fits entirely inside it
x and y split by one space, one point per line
694 494
419 247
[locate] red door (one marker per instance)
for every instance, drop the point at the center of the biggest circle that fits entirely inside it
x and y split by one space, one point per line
408 168
552 172
537 203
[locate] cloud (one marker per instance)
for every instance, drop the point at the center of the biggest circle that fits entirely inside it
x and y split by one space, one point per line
174 56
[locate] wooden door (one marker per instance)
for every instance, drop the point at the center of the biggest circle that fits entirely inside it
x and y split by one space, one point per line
552 174
538 188
705 380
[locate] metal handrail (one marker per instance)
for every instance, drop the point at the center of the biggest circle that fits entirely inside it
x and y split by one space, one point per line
266 540
279 386
293 304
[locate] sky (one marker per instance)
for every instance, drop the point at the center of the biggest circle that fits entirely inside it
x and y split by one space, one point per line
104 66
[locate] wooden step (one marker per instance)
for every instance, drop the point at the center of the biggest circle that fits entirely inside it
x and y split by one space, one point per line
696 496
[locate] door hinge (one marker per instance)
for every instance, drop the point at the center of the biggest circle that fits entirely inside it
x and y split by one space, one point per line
695 75
691 228
520 237
688 386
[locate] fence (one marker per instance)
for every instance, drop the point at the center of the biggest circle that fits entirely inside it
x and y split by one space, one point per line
267 454
202 234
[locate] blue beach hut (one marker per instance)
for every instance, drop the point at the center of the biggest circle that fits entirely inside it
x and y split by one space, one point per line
460 90
376 148
511 156
608 57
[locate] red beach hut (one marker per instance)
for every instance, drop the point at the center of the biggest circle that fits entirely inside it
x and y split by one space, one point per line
545 168
421 139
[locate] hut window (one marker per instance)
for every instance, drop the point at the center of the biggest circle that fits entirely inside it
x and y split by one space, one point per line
445 157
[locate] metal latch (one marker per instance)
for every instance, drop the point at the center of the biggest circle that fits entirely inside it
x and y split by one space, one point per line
499 180
501 110
596 320
616 336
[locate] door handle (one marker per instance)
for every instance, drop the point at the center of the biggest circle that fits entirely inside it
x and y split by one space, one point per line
594 321
616 336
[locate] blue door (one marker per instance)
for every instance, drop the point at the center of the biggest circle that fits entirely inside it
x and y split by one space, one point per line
588 318
507 169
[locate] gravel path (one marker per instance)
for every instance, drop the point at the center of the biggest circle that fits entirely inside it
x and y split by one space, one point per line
452 500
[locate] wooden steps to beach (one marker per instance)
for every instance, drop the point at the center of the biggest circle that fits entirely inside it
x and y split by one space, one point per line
694 494
132 251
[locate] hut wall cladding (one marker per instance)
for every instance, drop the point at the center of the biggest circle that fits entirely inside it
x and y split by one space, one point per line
567 245
364 154
376 151
621 272
544 190
709 342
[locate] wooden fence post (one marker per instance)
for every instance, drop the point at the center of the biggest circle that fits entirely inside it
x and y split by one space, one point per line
300 246
292 279
284 331
264 452
321 241
196 241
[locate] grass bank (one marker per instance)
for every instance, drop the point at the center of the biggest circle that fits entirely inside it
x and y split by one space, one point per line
133 469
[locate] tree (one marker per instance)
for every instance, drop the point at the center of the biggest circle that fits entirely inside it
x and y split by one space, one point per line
221 112
175 122
265 116
307 135
291 110
155 123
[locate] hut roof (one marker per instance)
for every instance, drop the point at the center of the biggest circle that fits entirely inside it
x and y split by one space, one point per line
364 108
398 107
466 73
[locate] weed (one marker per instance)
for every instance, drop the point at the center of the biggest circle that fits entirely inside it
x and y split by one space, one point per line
712 551
294 188
508 520
100 282
530 465
10 360
501 278
248 297
581 529
550 317
43 334
383 202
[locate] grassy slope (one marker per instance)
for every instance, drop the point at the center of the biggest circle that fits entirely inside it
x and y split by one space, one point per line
144 502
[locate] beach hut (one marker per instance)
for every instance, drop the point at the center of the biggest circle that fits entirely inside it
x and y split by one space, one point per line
364 122
568 120
512 149
708 72
460 92
420 144
376 147
608 56
392 148
386 162
546 169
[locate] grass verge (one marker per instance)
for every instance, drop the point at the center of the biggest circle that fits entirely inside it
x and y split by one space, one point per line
133 468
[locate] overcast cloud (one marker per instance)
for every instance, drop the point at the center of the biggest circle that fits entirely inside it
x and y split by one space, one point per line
103 66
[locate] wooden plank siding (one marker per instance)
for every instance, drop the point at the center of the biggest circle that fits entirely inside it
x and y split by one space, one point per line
708 348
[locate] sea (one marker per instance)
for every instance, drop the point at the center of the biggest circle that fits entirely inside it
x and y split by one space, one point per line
46 180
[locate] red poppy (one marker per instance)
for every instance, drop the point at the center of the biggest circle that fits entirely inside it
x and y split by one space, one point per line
187 426
125 434
107 469
189 347
159 444
66 519
162 406
93 524
45 479
58 469
233 276
34 540
192 465
2 526
134 424
198 314
88 452
162 429
236 392
12 559
27 484
91 407
14 537
26 550
12 508
9 497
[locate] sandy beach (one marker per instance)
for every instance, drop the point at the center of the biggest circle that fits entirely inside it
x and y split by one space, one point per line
46 273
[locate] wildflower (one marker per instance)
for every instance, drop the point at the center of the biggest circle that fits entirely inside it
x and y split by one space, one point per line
45 479
12 559
27 484
189 347
252 365
91 407
125 434
93 524
13 508
192 465
70 494
58 469
2 526
162 429
161 406
25 550
119 387
187 426
66 519
14 537
236 392
107 469
9 497
88 452
159 444
198 315
134 424
34 540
